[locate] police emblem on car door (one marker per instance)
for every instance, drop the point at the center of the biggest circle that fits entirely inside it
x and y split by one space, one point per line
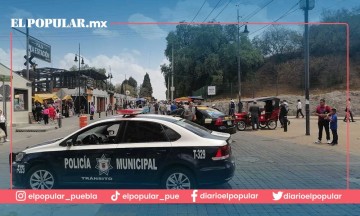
103 165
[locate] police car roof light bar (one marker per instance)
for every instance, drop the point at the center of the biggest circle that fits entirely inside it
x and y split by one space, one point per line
130 112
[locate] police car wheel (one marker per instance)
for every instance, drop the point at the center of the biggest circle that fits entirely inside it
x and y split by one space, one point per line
272 125
178 178
241 125
40 177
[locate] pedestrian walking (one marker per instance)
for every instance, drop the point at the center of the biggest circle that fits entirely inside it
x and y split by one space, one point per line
162 108
3 125
109 109
52 114
168 108
348 109
240 107
189 112
92 111
232 107
333 126
283 116
254 110
173 107
156 108
38 111
299 109
322 112
46 115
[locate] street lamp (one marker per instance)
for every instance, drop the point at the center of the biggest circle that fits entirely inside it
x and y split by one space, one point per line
110 76
307 5
246 31
82 62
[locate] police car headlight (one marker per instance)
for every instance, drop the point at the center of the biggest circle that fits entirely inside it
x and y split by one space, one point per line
20 156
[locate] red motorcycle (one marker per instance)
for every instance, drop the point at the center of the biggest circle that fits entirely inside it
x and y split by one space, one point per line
268 117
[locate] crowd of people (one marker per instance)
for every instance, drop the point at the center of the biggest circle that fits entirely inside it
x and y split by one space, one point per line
46 112
327 116
168 107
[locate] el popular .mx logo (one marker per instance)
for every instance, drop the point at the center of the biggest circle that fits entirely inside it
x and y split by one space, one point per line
277 196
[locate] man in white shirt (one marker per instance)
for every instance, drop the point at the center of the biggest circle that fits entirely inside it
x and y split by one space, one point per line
348 108
299 109
3 125
168 108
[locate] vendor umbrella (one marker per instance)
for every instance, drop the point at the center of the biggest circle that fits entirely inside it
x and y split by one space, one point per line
67 97
182 99
37 98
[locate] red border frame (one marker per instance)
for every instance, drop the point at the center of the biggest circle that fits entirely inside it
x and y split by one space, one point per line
267 191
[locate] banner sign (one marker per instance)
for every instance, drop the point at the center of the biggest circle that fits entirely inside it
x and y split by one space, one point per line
274 196
39 49
211 90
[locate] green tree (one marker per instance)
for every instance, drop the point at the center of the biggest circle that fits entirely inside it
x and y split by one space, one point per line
279 44
146 88
131 81
278 41
331 39
205 55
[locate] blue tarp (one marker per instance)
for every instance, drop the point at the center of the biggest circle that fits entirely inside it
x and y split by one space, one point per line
196 97
140 99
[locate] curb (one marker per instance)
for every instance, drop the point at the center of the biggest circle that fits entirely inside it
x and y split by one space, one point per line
34 130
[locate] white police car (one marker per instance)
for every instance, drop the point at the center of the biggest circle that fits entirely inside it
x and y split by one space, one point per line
140 150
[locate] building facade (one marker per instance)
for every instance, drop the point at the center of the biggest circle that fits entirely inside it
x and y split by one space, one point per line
17 98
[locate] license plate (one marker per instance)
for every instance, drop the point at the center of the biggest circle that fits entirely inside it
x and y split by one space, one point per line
229 122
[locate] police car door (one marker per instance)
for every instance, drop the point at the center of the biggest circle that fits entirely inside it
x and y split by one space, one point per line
147 149
90 158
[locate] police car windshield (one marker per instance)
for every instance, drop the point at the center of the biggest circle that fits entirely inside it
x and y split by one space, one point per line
193 127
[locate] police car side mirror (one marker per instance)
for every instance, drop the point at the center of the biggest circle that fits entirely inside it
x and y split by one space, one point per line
69 142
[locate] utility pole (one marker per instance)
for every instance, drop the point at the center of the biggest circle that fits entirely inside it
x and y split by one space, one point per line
126 103
238 43
79 82
79 77
168 91
172 75
307 5
27 51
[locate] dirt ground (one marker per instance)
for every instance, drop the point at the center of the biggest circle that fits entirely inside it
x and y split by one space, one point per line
335 99
297 129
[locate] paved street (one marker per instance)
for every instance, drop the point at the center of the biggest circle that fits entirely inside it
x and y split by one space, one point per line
263 162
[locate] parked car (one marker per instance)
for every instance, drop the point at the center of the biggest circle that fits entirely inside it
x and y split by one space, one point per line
211 118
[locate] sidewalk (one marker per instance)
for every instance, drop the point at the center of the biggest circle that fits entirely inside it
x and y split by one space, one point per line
295 134
66 122
297 130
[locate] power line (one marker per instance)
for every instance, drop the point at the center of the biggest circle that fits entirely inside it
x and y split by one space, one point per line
257 10
290 11
199 11
212 10
223 9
